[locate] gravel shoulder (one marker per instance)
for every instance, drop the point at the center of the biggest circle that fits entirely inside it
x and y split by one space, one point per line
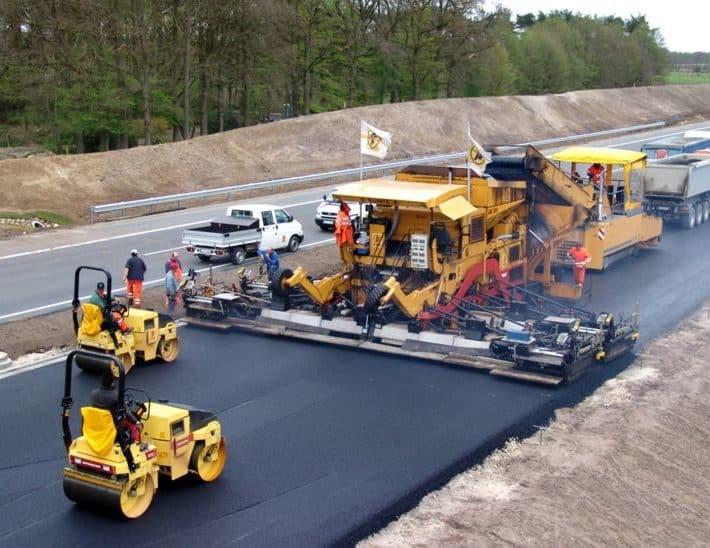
628 466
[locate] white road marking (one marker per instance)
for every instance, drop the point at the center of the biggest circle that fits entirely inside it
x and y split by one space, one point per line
13 370
100 240
658 137
318 242
162 251
123 289
129 235
302 203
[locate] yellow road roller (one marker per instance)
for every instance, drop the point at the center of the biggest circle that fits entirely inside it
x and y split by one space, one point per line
131 334
114 465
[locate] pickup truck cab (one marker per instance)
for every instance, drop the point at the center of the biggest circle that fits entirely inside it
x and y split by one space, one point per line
242 231
328 209
279 230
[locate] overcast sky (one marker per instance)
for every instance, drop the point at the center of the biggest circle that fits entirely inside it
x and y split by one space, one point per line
684 24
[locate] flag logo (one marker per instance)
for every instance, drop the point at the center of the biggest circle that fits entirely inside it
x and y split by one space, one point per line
477 158
373 141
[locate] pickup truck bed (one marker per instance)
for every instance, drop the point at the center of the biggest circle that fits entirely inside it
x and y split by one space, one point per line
231 237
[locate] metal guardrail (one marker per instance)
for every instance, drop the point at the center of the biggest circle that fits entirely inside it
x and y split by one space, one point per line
227 191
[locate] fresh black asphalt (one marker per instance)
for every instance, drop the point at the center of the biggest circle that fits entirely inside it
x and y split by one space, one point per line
326 444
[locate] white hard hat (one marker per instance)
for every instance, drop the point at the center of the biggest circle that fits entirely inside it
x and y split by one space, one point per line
134 252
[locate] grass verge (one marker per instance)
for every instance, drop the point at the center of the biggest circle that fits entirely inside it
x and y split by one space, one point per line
48 216
688 78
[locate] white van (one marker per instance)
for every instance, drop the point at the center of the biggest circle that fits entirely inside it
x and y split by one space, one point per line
328 209
279 230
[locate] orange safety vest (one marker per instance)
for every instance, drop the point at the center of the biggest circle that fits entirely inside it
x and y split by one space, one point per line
595 173
344 230
579 255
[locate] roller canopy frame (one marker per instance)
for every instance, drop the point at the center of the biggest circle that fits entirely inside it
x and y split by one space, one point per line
593 155
109 360
76 302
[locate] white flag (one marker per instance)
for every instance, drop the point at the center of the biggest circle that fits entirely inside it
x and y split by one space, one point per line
373 141
478 158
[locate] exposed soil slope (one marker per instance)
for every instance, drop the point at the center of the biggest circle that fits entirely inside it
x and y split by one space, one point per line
69 184
628 466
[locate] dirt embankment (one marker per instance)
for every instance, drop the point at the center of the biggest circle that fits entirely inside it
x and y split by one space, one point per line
69 184
628 466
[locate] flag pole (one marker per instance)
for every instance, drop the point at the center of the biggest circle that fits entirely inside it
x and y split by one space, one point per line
468 178
360 148
361 166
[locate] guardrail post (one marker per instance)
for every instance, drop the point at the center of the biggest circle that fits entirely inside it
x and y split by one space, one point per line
91 215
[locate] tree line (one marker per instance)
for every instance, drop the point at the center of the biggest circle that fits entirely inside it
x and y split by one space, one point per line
85 75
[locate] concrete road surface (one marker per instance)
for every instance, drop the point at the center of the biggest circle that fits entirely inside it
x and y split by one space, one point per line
326 444
37 270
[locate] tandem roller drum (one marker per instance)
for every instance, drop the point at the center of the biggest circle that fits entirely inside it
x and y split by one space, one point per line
129 499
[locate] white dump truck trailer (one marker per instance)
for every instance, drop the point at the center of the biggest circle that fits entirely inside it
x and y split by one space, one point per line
678 189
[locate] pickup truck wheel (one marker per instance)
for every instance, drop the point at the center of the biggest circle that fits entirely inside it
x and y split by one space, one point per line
204 258
687 220
293 243
238 255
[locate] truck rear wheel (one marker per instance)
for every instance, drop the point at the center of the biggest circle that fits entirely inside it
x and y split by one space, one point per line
238 255
687 220
706 211
698 213
294 243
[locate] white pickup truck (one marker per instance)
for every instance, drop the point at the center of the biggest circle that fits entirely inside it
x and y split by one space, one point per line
328 209
245 229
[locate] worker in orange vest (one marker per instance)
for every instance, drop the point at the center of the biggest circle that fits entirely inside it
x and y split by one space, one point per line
595 173
581 258
344 235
